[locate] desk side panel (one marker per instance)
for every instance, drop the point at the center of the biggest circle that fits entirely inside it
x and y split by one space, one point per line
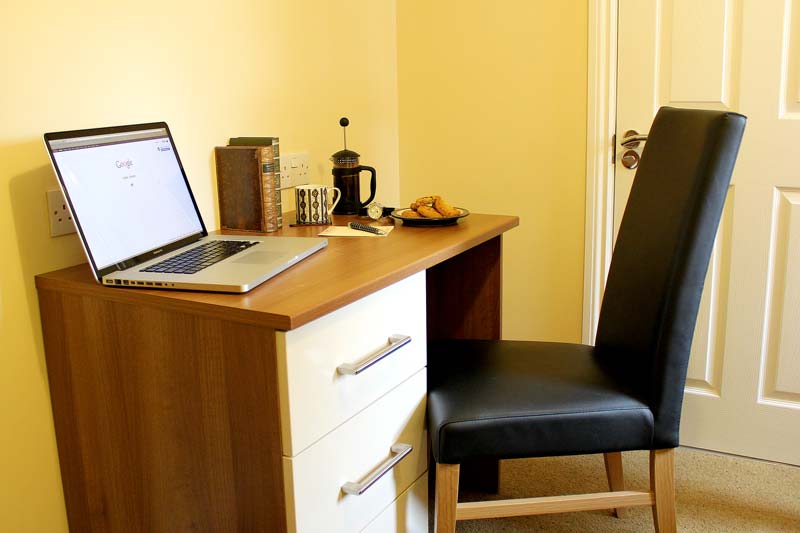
164 421
465 294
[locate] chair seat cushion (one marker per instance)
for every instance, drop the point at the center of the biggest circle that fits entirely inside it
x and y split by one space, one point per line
511 399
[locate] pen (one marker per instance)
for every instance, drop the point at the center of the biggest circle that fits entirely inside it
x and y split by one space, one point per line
364 227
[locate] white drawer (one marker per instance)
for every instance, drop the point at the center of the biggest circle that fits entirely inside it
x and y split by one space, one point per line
315 397
315 499
407 514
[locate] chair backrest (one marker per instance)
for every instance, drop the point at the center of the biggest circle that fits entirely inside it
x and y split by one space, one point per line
661 256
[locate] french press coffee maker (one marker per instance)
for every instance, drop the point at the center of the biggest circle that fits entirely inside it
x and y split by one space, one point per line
347 178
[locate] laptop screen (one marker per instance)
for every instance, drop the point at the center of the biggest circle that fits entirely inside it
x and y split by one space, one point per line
127 191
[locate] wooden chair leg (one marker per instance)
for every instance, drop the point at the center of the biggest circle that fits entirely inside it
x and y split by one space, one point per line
662 483
616 481
446 497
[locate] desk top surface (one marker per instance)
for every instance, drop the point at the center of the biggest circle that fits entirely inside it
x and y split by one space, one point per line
346 270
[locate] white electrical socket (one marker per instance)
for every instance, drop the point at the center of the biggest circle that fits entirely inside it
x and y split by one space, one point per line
295 169
60 218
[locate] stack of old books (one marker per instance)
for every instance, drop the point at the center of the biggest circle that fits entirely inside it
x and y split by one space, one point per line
248 184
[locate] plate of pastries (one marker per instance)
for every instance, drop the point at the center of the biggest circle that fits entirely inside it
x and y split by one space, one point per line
429 211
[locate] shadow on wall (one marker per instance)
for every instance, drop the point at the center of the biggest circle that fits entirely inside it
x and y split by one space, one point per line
37 252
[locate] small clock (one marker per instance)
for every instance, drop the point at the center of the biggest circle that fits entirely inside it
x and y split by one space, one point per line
375 211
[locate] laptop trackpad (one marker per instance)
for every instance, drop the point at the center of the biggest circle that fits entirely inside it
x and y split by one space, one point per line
259 258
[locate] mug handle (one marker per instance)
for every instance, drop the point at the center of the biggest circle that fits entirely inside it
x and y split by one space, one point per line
371 184
338 197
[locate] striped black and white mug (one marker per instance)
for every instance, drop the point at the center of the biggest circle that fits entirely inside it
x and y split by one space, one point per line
314 203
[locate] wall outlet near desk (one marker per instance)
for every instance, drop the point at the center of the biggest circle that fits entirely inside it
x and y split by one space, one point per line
295 169
59 215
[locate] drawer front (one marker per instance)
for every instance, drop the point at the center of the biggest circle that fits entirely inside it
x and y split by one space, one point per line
317 396
407 514
352 454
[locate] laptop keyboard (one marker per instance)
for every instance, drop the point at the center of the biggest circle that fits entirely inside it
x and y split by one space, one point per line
200 257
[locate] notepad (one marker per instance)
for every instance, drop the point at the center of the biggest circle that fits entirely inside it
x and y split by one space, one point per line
344 231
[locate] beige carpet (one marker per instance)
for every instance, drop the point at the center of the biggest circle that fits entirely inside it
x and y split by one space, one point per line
714 493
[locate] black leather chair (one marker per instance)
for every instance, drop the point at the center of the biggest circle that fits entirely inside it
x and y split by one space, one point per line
513 399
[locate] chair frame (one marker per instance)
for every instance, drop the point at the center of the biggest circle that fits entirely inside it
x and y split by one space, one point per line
661 496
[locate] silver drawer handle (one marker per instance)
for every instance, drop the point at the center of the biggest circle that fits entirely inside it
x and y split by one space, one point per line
395 342
399 450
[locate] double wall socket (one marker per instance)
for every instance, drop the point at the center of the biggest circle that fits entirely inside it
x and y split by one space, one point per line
295 169
60 218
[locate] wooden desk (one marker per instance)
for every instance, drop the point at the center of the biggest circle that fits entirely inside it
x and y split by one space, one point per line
166 404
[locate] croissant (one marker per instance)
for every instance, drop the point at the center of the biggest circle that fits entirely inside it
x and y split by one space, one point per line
423 200
445 208
428 212
432 206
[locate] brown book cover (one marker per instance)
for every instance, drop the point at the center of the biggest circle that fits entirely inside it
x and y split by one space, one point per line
276 166
245 189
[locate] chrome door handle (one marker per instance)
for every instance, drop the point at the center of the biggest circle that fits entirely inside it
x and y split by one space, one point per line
399 450
395 342
632 138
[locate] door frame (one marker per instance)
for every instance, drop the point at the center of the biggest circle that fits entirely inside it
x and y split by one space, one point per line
601 111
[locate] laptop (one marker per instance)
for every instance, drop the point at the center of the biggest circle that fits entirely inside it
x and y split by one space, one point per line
138 220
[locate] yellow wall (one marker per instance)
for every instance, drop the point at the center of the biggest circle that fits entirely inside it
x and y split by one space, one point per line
492 117
240 67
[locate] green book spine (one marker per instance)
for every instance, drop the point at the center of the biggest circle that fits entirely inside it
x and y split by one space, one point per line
250 141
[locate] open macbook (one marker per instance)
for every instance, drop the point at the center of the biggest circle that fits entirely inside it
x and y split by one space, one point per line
138 220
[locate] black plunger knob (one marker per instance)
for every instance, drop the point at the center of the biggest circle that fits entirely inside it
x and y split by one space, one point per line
344 122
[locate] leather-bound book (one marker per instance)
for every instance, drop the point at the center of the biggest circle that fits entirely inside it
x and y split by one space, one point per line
276 163
246 188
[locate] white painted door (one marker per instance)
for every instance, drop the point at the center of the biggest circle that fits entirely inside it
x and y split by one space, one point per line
743 387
